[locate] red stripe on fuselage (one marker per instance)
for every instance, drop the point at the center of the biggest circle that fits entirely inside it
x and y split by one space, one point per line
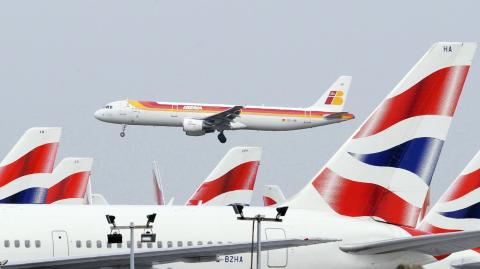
246 110
433 95
355 199
241 177
267 201
39 160
73 186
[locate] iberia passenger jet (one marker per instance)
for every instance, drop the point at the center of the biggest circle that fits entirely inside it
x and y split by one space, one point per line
358 212
199 119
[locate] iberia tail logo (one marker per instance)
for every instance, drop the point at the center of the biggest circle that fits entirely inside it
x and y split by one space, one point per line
335 98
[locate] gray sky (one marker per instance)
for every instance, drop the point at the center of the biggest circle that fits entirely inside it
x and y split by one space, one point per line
62 60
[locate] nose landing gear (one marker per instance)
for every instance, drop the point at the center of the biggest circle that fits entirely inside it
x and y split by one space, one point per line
222 138
122 133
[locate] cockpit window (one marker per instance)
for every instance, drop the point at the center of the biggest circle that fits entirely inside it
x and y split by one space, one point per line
108 107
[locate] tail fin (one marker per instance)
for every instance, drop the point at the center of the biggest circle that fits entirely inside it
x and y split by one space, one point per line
233 179
334 98
70 180
459 207
157 183
384 170
272 195
34 153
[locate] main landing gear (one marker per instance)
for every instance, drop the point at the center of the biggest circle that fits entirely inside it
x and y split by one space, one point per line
122 133
222 138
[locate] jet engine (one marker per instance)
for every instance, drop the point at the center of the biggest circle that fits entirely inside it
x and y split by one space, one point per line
193 127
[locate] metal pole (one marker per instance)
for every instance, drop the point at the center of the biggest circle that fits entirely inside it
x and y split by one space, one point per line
132 246
259 241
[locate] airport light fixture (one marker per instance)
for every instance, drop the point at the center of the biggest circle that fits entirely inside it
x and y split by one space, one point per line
146 237
238 209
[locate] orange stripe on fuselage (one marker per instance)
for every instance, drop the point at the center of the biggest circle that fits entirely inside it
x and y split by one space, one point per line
154 106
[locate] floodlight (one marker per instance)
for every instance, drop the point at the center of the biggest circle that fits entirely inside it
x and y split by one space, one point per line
281 211
148 237
238 208
151 218
114 238
110 219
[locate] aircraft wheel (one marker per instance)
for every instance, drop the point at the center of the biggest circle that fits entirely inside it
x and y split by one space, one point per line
222 138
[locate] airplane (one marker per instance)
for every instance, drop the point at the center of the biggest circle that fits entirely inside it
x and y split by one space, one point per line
230 182
354 212
199 119
457 210
272 195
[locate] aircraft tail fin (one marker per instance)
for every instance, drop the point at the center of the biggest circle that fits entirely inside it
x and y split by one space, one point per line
272 195
458 209
232 180
333 100
70 181
384 169
34 153
157 183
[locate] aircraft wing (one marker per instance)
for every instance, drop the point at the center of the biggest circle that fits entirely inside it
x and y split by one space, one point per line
146 258
435 245
224 117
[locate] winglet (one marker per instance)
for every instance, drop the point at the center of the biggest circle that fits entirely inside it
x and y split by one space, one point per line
334 98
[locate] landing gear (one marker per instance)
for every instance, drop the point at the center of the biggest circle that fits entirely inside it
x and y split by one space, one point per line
122 133
222 138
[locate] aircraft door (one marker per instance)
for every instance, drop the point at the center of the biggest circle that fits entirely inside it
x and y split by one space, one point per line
276 258
60 244
308 117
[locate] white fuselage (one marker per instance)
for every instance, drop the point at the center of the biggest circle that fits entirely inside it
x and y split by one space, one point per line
72 230
251 117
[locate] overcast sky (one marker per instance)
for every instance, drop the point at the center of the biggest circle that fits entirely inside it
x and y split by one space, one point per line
62 60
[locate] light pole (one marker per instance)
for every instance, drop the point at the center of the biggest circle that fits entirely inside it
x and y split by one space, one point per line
238 209
116 237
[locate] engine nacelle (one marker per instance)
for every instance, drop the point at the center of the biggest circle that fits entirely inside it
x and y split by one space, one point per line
193 127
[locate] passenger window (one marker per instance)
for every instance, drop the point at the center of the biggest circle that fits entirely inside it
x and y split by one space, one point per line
139 244
149 245
99 244
128 244
199 243
119 245
37 243
17 243
209 243
169 244
179 244
89 243
109 245
79 244
159 244
27 243
6 243
219 242
189 243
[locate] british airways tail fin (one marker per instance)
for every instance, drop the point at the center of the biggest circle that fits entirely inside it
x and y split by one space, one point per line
458 209
272 195
70 181
384 169
333 100
34 153
232 180
157 184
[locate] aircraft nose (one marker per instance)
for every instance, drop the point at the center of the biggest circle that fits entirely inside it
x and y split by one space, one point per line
99 115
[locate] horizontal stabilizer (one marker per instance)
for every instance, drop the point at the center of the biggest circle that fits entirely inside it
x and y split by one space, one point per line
435 245
166 255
